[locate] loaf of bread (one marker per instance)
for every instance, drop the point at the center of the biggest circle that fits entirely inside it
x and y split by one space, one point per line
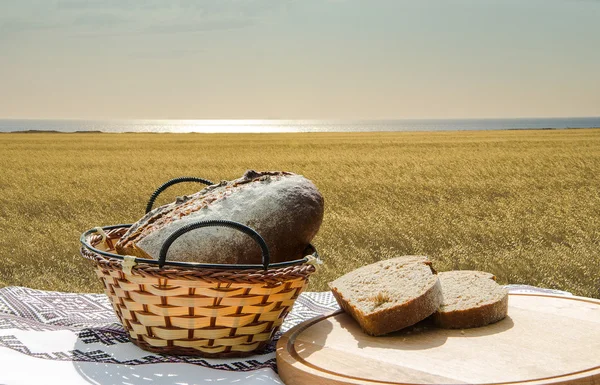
286 209
389 295
471 299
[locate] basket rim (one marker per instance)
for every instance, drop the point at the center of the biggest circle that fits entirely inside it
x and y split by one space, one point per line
83 239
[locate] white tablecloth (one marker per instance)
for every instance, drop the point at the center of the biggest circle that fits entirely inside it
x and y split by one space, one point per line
68 338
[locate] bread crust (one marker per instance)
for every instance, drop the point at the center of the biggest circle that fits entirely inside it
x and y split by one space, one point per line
286 209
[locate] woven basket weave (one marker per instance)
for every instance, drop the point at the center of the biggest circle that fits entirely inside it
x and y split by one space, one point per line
189 311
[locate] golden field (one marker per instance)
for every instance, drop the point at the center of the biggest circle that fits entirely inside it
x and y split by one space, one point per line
524 205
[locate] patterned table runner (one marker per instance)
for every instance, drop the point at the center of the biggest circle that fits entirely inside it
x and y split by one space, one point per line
31 320
82 328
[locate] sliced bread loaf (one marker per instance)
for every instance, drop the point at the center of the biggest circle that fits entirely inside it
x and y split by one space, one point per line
389 295
471 299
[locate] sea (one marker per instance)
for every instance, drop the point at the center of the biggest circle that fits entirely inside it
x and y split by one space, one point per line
270 126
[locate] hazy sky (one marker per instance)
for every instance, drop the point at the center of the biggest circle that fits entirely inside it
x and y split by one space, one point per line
303 59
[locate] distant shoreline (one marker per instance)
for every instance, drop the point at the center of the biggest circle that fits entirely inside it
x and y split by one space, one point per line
57 132
294 132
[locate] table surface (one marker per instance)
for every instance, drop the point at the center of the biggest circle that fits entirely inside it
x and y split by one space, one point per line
75 338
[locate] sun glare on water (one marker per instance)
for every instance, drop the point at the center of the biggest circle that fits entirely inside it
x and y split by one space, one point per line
228 126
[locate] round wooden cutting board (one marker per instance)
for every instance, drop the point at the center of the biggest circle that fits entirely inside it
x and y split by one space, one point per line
544 340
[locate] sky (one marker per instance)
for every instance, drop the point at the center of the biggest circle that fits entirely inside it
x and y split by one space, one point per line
303 59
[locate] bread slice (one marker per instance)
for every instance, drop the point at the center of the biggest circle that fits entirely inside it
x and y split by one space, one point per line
389 295
471 299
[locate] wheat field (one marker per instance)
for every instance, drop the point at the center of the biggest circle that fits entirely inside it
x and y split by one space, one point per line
523 205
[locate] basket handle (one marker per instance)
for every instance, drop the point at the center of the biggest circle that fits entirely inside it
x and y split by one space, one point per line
165 185
162 258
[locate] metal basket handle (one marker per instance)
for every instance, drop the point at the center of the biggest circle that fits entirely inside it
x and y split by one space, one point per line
162 258
166 185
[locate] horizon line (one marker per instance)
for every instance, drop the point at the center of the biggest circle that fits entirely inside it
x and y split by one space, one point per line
259 120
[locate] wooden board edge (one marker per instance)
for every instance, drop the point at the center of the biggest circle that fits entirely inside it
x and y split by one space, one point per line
571 297
293 371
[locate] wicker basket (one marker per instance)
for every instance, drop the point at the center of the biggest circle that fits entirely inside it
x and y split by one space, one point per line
197 309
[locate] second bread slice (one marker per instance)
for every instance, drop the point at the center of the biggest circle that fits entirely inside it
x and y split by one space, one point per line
389 295
471 299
